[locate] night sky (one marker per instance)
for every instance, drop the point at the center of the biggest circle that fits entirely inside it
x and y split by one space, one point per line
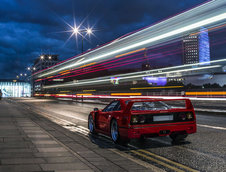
30 28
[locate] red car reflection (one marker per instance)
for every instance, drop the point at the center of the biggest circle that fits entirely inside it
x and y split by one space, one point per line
125 119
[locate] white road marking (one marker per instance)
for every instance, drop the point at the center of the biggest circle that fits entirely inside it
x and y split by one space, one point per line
213 127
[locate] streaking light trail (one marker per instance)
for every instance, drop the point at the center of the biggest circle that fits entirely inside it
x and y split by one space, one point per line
148 36
92 81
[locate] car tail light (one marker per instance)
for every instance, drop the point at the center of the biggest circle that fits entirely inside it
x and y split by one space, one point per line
138 119
187 116
134 119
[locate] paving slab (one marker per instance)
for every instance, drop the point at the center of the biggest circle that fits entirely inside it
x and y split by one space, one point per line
65 166
22 161
52 149
19 168
62 159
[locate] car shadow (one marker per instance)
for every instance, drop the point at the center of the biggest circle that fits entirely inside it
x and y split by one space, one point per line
149 143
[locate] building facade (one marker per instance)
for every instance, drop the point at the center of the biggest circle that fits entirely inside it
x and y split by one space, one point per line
13 88
196 48
45 61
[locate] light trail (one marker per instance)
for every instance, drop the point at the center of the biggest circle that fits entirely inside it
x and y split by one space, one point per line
129 77
195 11
206 93
126 63
113 60
146 88
170 33
94 67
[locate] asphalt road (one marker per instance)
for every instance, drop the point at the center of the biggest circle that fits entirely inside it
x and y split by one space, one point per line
203 151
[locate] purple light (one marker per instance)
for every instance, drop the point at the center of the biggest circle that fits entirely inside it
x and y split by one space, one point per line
157 81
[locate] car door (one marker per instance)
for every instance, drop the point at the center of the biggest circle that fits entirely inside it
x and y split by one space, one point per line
105 114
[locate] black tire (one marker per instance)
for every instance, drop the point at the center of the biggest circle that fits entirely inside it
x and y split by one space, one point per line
178 137
91 124
114 131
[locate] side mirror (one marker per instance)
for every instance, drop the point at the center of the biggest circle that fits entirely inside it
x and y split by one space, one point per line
95 109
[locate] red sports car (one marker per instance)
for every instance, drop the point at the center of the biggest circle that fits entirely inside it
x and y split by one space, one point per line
125 119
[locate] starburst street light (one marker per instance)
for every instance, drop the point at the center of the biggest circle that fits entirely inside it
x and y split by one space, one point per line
77 31
89 31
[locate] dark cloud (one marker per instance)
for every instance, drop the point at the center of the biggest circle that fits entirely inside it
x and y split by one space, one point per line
31 27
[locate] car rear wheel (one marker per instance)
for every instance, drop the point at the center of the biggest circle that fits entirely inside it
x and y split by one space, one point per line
114 131
91 124
178 137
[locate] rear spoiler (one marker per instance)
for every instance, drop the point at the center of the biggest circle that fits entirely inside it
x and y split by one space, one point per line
188 104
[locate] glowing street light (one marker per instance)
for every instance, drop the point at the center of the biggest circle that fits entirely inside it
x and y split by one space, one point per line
28 68
42 57
50 57
89 31
34 68
76 31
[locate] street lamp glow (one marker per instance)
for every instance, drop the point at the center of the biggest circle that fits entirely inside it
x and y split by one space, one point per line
25 74
42 57
34 68
50 57
21 74
75 30
89 31
28 68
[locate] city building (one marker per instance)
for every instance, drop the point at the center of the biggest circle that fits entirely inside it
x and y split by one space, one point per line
196 48
15 88
45 61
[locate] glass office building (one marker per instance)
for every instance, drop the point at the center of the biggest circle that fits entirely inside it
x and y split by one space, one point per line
15 89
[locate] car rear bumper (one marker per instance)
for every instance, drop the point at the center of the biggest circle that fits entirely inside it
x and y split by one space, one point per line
157 130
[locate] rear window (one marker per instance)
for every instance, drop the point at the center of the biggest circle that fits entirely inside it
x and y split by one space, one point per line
158 105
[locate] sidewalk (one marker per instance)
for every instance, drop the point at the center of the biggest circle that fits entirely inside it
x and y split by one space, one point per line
29 142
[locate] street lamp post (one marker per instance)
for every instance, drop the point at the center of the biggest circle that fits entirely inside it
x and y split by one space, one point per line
81 31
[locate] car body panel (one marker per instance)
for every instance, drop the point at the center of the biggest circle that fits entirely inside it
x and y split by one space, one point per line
103 118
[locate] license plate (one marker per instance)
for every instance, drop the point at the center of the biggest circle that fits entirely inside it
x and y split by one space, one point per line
163 118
